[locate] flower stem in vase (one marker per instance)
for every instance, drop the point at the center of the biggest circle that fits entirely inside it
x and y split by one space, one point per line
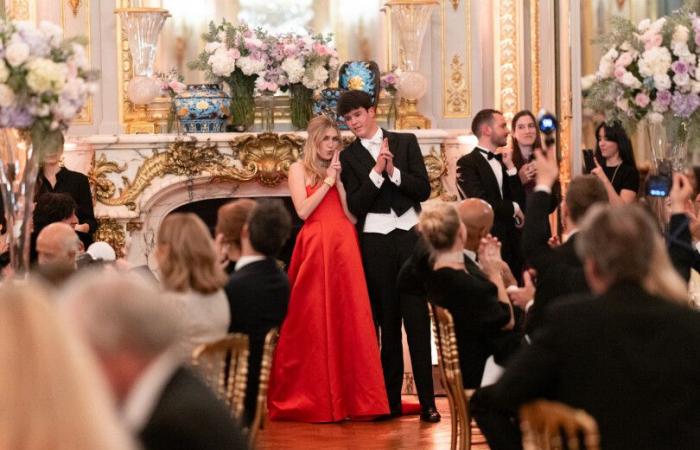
242 101
301 102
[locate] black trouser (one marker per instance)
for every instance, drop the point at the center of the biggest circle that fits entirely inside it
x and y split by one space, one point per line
499 427
383 256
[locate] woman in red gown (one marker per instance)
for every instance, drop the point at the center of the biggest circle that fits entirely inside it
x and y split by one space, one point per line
326 366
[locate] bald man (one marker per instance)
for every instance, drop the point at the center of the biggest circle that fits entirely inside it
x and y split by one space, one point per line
58 244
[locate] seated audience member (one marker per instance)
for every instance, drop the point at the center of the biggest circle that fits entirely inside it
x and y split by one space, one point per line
132 330
49 208
53 395
628 357
258 291
559 270
229 222
189 270
57 244
477 300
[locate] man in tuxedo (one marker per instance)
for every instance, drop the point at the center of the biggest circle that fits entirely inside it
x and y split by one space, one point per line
559 270
386 179
133 332
494 178
626 356
258 290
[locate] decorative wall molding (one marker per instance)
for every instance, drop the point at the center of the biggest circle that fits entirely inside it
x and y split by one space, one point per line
75 6
456 75
113 233
507 62
535 51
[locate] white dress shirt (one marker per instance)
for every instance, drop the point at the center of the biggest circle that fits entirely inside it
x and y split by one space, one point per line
497 169
245 260
385 223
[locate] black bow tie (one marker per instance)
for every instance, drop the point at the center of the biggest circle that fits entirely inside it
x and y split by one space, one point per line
491 155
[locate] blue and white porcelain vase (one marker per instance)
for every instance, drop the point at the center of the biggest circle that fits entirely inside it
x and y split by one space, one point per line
203 108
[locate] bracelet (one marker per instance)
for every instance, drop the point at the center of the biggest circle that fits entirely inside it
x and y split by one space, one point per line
329 181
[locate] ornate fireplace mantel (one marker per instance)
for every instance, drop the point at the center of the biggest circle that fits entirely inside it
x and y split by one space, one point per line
138 179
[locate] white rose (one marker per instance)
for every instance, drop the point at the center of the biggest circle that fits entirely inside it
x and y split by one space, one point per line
250 66
46 76
644 25
587 82
605 69
79 56
4 71
7 96
680 34
294 69
211 47
662 82
222 64
695 87
654 117
655 61
657 25
53 32
611 55
16 53
681 79
680 49
316 79
629 80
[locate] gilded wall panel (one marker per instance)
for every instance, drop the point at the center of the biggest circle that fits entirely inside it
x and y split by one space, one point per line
455 59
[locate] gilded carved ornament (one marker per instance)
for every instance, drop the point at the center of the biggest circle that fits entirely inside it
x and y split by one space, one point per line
111 232
457 88
436 164
267 156
75 6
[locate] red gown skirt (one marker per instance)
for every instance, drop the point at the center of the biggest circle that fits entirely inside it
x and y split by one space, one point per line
326 367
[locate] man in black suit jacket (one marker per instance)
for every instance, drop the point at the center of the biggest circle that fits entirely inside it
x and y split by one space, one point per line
626 357
258 291
386 179
494 178
559 270
134 333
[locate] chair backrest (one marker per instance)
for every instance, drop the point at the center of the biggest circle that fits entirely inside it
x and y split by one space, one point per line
224 366
265 368
448 356
548 425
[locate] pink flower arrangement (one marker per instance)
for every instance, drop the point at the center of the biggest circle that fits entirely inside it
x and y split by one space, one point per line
389 81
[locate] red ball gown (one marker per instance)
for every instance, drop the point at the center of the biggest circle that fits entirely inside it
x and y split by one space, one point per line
326 366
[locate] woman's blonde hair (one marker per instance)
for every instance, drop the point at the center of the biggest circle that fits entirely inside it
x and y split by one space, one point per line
54 395
625 244
439 224
316 130
187 256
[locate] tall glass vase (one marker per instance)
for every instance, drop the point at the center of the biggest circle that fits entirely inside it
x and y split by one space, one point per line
267 113
669 145
301 104
242 101
18 172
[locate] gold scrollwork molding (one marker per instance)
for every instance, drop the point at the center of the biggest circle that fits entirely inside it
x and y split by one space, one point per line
75 6
535 47
507 60
111 232
455 4
264 158
436 164
267 156
21 9
456 101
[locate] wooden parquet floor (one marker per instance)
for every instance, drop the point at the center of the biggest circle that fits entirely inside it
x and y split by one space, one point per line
406 432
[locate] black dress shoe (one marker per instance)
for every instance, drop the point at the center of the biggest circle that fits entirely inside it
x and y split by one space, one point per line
430 415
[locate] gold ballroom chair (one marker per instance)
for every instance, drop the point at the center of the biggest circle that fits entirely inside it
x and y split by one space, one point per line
264 380
448 361
543 421
223 364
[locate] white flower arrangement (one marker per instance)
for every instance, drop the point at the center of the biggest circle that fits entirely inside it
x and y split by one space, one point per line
650 71
44 79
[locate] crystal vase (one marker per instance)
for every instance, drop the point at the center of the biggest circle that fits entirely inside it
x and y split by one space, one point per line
300 104
18 173
669 145
267 112
242 101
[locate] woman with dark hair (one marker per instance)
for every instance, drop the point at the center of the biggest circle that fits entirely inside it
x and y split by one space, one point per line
614 163
526 139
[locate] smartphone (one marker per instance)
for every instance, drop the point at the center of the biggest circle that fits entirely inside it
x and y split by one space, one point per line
588 161
659 186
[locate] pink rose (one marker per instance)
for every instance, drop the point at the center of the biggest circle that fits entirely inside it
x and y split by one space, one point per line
619 72
653 41
642 100
234 53
624 60
177 87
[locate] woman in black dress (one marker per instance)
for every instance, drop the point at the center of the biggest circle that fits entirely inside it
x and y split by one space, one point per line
57 179
615 164
476 297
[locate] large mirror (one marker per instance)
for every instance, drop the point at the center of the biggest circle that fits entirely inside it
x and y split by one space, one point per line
356 26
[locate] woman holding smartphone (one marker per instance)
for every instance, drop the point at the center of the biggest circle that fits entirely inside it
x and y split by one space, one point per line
615 165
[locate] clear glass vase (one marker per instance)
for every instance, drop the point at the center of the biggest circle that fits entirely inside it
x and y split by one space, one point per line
669 146
267 113
18 173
